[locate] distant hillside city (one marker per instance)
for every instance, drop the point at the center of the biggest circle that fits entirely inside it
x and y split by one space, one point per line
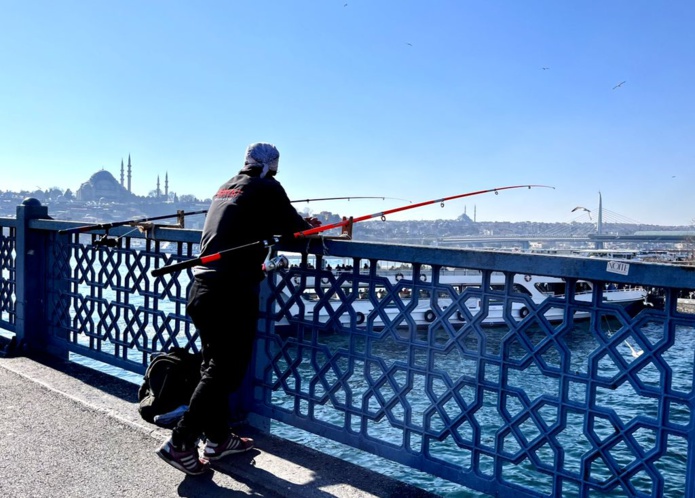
102 198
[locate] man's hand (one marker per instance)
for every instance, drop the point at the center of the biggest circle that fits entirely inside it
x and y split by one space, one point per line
314 222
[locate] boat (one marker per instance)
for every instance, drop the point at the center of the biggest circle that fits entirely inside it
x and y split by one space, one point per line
398 301
645 255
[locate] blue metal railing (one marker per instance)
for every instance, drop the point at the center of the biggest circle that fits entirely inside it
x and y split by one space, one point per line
8 272
439 359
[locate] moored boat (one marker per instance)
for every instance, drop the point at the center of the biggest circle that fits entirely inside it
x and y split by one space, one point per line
457 297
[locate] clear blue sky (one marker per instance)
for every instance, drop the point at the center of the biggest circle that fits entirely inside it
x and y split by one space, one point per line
410 99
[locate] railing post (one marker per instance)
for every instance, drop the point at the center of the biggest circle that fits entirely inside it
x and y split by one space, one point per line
32 255
259 362
241 403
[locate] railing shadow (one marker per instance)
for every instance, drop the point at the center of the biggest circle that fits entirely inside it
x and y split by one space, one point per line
109 384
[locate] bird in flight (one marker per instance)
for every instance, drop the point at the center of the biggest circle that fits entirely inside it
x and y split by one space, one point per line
545 68
583 209
408 43
618 85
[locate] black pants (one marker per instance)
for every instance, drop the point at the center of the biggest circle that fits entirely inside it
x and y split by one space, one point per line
226 316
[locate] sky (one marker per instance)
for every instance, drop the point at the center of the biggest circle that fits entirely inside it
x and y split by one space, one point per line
404 100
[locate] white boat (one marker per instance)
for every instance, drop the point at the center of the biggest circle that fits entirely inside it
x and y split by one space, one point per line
647 255
459 299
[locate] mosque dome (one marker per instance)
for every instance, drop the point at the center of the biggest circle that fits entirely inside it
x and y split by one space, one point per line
103 186
102 176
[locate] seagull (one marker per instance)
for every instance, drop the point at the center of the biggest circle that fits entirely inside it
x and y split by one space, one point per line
545 68
582 208
618 85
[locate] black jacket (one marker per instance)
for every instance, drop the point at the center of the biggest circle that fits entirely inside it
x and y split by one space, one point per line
245 209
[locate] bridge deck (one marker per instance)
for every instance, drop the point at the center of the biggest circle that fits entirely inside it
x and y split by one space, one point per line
48 452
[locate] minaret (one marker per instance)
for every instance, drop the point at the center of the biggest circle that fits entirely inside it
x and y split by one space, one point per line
159 192
166 185
129 174
599 222
122 173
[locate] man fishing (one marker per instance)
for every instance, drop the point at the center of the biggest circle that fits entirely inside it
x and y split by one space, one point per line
223 304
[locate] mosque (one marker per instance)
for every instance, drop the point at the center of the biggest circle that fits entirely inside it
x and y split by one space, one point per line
102 186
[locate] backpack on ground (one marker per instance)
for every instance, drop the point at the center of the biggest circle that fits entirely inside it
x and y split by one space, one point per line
167 386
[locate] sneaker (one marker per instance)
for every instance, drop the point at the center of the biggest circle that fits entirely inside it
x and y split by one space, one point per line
233 444
185 460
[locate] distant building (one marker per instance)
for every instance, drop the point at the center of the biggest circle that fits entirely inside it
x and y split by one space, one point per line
103 186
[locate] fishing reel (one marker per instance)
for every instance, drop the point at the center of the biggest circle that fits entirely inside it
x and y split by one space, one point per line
105 241
277 263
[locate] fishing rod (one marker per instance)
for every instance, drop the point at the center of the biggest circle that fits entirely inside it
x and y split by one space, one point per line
180 214
350 198
203 260
107 226
383 214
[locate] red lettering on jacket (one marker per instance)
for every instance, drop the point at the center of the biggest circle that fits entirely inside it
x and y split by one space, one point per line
224 193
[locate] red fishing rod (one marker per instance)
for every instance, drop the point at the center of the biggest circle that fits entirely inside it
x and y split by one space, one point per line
383 214
203 260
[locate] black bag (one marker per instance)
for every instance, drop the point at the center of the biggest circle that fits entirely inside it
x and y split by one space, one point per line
169 382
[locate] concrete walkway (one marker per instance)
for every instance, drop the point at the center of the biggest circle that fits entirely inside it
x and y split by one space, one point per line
67 431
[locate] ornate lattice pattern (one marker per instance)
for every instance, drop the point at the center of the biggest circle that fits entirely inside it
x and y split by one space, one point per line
109 305
596 402
8 274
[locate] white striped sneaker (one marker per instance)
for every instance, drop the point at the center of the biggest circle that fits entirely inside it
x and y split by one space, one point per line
233 444
186 460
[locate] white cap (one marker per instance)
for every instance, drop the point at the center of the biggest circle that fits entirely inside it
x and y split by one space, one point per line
262 155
